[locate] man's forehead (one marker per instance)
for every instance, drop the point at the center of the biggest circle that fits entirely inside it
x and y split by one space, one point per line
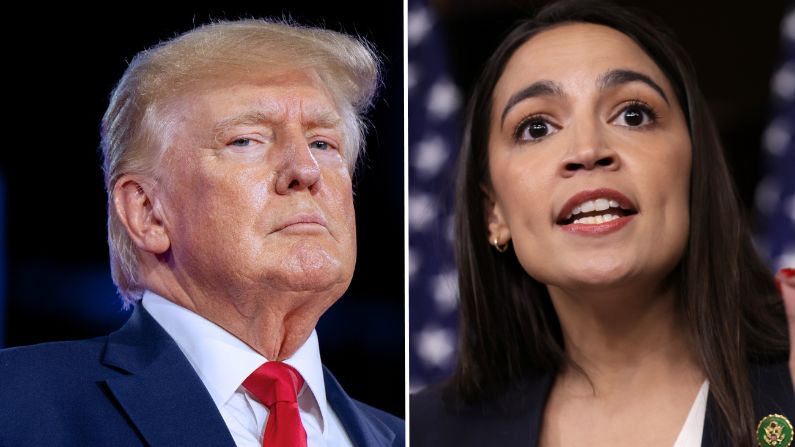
267 97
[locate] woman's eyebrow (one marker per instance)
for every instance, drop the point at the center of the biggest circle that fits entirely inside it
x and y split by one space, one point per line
616 77
610 79
538 88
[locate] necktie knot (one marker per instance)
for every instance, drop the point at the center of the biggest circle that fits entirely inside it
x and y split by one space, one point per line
274 382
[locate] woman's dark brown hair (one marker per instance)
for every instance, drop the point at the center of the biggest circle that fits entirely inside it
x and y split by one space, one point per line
726 296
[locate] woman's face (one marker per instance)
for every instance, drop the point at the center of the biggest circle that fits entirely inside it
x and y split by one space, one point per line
589 159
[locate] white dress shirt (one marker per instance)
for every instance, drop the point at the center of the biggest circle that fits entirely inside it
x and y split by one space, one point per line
693 430
223 362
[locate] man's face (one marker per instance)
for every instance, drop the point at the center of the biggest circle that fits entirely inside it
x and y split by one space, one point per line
256 191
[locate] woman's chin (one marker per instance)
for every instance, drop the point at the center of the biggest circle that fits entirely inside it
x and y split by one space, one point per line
596 274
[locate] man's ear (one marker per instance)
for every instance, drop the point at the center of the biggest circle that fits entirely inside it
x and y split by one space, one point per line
499 232
140 213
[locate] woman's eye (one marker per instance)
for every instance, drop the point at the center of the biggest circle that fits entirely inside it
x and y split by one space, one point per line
635 115
319 144
533 129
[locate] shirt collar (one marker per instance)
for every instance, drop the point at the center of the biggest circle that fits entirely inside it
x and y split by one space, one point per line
223 361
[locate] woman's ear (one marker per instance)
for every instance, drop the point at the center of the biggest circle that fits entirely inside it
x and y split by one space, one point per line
140 213
499 232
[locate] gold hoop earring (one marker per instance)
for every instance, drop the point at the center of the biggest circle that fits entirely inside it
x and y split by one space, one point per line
498 247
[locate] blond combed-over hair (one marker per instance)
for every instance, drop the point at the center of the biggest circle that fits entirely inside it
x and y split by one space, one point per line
135 124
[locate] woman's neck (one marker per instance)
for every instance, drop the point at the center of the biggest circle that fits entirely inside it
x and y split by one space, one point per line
623 338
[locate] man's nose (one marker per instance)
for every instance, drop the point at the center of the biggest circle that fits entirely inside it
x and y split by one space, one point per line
588 151
299 169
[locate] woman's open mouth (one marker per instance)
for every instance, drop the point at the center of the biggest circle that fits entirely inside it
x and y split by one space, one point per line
596 211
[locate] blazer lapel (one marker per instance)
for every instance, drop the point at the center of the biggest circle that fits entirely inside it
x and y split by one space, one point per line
512 416
363 430
161 393
535 394
713 435
515 416
772 393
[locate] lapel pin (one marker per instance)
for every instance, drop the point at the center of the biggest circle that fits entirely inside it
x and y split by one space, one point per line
774 431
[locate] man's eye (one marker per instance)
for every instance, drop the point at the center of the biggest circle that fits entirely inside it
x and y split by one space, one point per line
241 142
636 115
319 144
533 129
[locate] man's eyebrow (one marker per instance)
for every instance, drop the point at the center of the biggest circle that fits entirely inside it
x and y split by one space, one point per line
313 119
538 88
322 118
614 78
249 118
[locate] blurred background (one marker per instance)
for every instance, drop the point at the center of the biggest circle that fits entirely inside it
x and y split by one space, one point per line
744 55
55 284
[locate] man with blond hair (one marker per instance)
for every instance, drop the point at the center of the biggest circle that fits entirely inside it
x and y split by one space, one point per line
228 156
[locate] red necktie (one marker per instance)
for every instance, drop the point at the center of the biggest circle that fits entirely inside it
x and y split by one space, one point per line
276 385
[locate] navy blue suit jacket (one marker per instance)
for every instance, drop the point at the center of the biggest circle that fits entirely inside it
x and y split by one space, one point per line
135 387
514 417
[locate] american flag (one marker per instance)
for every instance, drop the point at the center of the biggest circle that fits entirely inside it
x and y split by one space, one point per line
434 135
775 195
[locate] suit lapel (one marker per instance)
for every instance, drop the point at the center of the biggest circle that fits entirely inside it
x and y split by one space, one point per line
537 391
364 430
772 393
512 416
520 411
161 394
713 435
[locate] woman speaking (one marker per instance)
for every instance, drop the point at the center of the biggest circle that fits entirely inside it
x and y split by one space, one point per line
610 293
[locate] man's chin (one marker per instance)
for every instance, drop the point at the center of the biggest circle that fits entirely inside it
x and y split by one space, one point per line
314 270
325 283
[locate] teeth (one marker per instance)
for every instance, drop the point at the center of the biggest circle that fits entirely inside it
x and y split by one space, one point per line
600 204
596 220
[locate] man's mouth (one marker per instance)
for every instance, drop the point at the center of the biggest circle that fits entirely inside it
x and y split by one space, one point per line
303 220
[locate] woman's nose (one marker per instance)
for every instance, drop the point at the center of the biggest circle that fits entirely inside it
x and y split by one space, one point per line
589 151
